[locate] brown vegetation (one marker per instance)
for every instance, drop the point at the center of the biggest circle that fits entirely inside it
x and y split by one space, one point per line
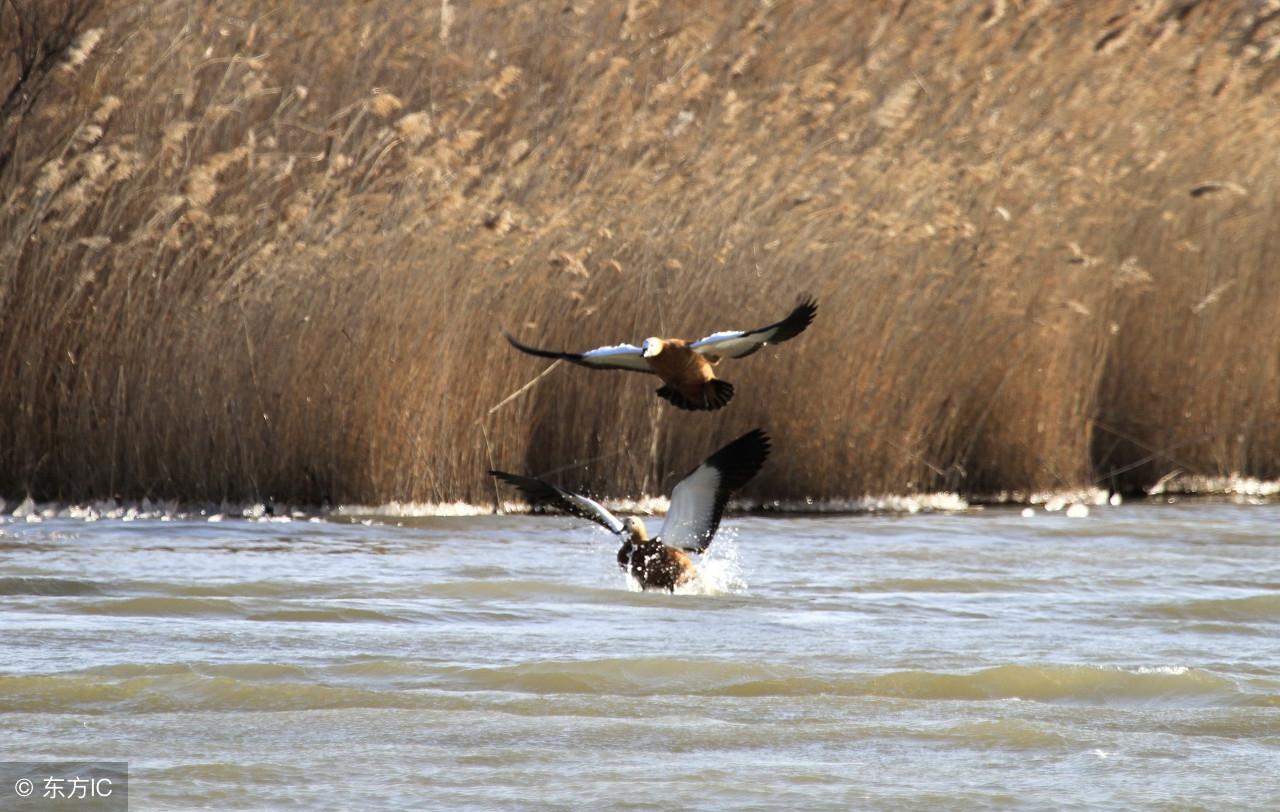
267 253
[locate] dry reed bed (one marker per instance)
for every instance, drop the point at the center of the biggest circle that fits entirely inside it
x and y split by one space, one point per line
249 254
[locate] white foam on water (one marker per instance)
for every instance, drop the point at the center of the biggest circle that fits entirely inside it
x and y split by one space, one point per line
903 503
645 505
1054 501
1231 485
25 509
1075 502
659 505
420 509
146 509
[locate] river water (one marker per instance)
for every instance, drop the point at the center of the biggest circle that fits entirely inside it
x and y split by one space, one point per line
985 659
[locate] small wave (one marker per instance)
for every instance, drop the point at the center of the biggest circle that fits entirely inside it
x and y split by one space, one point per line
1080 684
344 614
168 606
1254 608
245 671
514 589
406 684
221 772
641 675
377 668
1055 684
186 691
1012 734
232 589
956 585
164 607
49 587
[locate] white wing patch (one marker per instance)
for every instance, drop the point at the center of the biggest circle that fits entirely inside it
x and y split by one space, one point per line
741 343
624 356
595 508
692 513
720 336
731 343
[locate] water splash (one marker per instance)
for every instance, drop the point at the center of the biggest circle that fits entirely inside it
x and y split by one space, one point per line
720 572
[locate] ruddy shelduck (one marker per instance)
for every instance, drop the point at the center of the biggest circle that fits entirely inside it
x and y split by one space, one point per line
687 368
697 503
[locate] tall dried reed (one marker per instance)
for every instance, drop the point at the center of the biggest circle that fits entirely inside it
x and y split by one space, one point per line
268 254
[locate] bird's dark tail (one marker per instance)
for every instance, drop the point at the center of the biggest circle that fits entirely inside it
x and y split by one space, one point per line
714 395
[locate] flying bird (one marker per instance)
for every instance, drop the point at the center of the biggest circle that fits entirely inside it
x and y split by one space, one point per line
697 503
687 367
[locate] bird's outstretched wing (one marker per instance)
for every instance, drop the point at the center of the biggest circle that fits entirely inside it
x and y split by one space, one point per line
741 343
619 356
698 501
544 493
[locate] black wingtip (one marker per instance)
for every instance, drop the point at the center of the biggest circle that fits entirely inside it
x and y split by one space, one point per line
797 321
526 485
525 348
741 459
536 492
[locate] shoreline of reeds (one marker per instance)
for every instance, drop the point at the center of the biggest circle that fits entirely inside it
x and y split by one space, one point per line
1074 503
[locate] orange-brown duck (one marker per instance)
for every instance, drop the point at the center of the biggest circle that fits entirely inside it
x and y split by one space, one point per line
697 503
687 367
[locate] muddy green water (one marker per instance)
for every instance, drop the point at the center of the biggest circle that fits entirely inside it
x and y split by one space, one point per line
1129 659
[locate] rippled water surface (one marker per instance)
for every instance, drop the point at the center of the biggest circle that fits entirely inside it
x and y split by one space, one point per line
986 660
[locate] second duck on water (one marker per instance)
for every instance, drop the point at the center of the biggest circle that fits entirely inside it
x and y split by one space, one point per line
697 503
686 367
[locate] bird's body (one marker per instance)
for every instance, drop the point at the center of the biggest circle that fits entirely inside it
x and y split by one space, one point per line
653 564
697 503
689 376
687 368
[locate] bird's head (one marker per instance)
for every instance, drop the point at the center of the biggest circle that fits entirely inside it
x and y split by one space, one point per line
650 347
635 526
